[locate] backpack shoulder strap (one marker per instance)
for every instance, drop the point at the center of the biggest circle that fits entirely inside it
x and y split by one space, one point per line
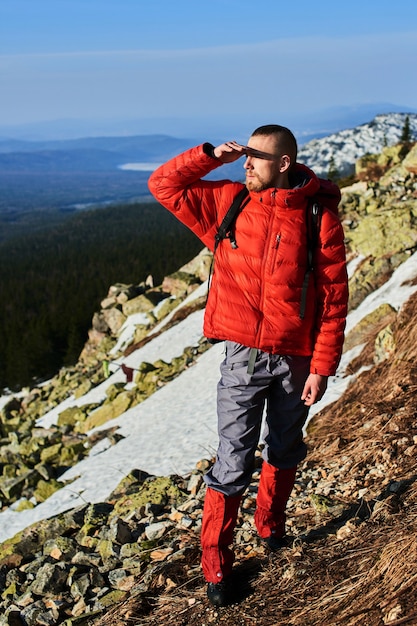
225 227
313 216
314 211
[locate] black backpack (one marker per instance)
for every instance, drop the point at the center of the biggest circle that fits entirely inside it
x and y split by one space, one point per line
313 215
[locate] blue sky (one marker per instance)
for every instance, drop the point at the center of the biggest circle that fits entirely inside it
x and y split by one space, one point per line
231 60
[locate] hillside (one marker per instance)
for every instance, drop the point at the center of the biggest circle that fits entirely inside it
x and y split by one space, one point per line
341 150
75 260
123 549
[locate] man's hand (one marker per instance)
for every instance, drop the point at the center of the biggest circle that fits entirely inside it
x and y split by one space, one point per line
229 151
314 389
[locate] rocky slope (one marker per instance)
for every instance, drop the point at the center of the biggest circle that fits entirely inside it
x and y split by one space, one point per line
134 559
341 150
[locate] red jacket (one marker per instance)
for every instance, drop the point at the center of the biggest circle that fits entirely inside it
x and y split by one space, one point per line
255 293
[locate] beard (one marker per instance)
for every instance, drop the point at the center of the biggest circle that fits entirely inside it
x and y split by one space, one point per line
255 183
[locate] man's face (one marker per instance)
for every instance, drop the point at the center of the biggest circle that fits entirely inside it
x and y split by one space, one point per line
263 163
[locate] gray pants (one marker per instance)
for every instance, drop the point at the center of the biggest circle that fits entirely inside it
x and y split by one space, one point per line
276 381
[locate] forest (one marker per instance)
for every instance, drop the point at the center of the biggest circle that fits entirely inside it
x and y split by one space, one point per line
53 280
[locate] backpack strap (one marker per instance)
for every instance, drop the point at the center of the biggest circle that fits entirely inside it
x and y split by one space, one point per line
313 215
225 230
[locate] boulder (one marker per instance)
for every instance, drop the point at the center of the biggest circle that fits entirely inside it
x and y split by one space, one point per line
114 319
200 265
143 303
180 284
410 161
107 412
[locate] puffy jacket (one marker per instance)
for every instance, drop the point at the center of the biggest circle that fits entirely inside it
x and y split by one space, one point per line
255 293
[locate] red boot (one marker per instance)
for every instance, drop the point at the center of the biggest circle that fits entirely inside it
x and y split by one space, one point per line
275 486
219 519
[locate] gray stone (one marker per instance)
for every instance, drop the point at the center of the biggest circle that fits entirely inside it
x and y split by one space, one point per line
114 319
37 615
157 530
50 579
117 577
80 586
60 548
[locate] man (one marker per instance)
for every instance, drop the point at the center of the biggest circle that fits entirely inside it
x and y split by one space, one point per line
283 329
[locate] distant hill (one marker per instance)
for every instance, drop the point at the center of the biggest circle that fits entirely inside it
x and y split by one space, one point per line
65 175
306 126
109 153
90 153
345 147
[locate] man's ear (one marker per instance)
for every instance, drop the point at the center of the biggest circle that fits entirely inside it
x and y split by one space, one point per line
285 163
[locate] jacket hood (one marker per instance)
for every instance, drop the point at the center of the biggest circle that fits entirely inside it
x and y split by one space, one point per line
302 176
303 183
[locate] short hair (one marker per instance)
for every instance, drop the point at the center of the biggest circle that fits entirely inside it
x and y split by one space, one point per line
285 138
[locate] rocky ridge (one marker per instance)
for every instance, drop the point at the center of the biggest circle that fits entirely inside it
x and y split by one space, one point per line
341 150
135 556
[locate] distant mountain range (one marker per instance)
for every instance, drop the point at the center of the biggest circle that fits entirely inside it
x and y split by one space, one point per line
102 164
217 127
88 154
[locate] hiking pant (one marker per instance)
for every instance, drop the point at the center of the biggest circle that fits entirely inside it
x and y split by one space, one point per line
277 383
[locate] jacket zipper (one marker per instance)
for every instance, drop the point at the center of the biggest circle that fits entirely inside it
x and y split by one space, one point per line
264 262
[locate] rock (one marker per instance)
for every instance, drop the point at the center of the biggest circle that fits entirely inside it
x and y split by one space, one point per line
72 451
82 388
59 548
159 490
37 615
45 489
410 161
89 560
388 231
143 303
71 415
161 554
109 553
50 579
121 579
384 344
100 325
369 325
157 530
107 412
114 318
123 291
180 284
79 608
80 586
108 599
107 303
51 454
200 265
121 531
97 514
194 483
163 309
